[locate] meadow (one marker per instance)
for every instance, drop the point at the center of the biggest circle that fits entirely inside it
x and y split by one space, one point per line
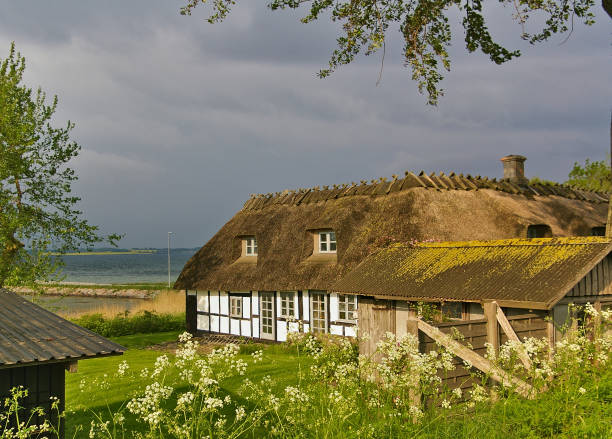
319 387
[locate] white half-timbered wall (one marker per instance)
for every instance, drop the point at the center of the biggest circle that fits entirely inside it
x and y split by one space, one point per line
213 314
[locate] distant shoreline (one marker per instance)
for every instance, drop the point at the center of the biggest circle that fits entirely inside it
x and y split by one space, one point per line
134 291
109 252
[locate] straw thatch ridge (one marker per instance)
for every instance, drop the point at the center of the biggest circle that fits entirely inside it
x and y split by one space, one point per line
432 181
283 225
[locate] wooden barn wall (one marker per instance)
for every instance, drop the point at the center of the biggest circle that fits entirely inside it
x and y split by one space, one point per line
43 382
596 283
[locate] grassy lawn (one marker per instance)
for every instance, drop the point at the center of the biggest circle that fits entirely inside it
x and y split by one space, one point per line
83 403
566 410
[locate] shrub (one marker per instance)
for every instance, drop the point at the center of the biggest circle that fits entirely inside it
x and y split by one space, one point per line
125 324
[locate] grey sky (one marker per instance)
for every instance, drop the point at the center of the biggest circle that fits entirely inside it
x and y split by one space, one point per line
181 120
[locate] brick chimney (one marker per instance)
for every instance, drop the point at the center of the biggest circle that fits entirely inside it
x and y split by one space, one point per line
514 168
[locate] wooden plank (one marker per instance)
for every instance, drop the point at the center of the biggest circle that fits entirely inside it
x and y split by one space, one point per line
490 310
412 327
474 359
595 280
505 324
606 275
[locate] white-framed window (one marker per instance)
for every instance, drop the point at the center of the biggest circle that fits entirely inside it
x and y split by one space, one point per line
235 306
251 246
287 304
347 307
318 312
327 242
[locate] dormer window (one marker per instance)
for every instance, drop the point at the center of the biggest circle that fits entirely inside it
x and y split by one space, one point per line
598 231
250 246
539 231
327 242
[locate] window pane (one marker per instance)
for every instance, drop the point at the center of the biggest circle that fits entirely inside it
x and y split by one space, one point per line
452 310
332 236
332 246
323 237
323 246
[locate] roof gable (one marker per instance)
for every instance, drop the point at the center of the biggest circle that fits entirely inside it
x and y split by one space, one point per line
537 271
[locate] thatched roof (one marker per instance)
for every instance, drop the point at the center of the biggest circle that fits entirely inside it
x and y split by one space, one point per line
537 271
442 207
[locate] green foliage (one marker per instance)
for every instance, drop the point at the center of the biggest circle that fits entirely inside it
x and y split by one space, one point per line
593 176
37 208
144 322
538 180
424 26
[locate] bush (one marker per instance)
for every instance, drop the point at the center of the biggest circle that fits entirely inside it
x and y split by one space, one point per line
125 324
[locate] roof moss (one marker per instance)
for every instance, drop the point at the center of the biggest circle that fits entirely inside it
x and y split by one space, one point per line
443 256
530 270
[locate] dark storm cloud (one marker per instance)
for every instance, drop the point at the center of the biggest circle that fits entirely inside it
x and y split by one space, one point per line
180 120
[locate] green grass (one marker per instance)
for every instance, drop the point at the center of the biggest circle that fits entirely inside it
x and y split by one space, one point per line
280 363
139 341
552 414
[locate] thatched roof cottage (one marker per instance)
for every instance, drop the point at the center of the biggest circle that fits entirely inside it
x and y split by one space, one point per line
277 265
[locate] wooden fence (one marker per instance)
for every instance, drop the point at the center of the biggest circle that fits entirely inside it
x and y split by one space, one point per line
466 339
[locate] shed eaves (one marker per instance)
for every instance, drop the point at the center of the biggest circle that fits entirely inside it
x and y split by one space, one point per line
533 271
29 334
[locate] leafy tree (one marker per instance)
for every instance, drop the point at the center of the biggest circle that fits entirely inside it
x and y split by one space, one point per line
593 176
424 26
37 209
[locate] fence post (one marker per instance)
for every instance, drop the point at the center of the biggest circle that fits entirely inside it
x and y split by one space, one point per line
414 393
490 311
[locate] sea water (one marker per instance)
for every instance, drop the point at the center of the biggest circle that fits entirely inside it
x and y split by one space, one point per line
125 268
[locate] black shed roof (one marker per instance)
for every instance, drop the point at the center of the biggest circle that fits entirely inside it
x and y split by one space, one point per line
29 334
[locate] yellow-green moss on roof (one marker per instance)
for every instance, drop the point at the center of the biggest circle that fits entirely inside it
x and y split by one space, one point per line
572 240
529 270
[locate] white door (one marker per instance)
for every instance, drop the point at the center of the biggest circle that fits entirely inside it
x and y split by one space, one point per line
318 311
266 315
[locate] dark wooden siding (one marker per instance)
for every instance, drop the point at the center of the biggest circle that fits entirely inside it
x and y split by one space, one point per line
42 381
191 313
474 333
597 282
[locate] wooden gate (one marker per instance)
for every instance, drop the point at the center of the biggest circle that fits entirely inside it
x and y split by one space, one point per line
376 318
